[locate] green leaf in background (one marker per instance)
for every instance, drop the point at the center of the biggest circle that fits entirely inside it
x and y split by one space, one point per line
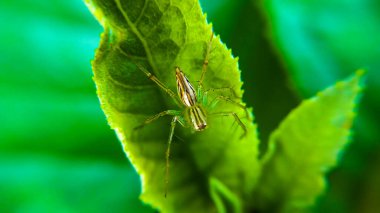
321 41
306 146
161 35
57 153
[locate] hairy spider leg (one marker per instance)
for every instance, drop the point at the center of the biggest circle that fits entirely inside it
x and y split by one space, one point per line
177 117
159 83
237 119
159 115
172 127
229 89
205 63
215 101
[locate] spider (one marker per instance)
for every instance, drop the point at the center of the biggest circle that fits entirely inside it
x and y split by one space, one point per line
192 104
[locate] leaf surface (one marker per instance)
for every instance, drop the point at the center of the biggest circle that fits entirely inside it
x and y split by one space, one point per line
328 47
160 35
305 146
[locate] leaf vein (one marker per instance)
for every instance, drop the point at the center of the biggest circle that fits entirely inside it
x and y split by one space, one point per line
148 34
130 87
130 56
142 12
138 34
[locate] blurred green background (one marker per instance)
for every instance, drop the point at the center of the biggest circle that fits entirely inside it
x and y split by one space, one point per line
57 153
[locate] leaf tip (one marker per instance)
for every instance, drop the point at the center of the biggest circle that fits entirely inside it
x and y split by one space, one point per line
358 78
361 76
357 82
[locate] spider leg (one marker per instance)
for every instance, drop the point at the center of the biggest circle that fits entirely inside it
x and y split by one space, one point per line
205 62
213 103
152 77
222 89
176 118
157 116
159 83
237 119
172 127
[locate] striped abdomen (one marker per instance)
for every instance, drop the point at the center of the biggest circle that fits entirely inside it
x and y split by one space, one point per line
197 117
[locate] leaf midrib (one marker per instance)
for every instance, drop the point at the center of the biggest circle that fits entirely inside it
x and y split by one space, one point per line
137 33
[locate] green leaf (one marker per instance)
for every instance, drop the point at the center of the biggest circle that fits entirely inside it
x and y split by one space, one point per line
305 146
326 46
160 35
219 191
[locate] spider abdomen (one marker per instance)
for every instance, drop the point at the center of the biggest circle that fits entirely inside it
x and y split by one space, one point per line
197 117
